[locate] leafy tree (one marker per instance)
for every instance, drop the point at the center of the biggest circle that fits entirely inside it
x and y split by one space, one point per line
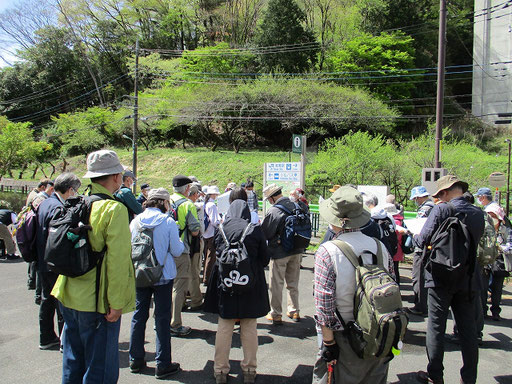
18 146
283 25
367 57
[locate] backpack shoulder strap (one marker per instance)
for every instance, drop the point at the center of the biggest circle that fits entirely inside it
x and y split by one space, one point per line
244 234
380 257
348 252
223 234
283 208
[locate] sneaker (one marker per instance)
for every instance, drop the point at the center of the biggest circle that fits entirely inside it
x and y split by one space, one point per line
37 300
496 317
294 316
137 365
162 373
12 257
415 311
221 378
182 330
50 345
423 377
276 320
249 377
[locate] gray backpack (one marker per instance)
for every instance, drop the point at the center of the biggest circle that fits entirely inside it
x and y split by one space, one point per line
148 271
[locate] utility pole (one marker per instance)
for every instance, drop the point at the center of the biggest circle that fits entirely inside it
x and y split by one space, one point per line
135 114
508 178
440 81
303 164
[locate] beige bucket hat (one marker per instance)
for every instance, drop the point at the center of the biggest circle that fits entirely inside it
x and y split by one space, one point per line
345 209
270 190
448 181
103 163
159 194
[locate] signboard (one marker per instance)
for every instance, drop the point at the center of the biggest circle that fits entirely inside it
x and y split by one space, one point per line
497 180
297 144
286 175
429 177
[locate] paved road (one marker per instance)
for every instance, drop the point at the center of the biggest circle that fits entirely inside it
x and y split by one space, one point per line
286 353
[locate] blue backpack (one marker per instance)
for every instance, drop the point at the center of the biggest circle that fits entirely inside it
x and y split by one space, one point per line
296 234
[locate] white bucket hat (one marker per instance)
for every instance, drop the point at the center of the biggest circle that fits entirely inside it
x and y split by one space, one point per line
212 190
103 163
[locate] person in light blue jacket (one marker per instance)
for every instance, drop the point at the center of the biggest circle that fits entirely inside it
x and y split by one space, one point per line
167 245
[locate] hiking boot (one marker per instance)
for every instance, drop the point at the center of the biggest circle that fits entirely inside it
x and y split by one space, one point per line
276 320
220 378
180 331
415 311
496 317
294 316
137 365
196 308
423 377
12 257
249 377
50 345
162 373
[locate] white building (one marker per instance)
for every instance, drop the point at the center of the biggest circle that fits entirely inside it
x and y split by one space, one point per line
492 54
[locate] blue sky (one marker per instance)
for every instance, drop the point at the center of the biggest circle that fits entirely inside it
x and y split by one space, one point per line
4 4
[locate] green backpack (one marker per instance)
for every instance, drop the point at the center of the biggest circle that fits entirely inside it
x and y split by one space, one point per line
488 246
380 321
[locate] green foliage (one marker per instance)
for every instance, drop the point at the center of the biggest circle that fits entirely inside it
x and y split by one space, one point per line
283 25
388 54
18 146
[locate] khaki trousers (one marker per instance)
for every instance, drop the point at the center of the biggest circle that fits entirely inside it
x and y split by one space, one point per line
284 270
249 338
6 236
179 288
194 287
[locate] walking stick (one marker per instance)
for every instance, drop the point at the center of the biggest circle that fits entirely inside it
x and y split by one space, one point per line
330 372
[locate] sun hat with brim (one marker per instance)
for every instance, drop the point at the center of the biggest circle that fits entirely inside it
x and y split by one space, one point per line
128 173
159 194
345 209
212 190
103 163
419 191
270 190
483 192
390 208
448 181
497 210
334 188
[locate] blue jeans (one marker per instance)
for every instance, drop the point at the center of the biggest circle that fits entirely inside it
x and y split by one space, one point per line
91 348
163 305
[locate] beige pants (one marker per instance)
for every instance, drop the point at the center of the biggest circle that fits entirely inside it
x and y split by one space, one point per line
179 288
6 236
249 338
194 286
284 270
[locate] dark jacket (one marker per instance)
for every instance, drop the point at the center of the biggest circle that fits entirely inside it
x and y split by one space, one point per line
6 216
474 219
125 196
371 229
45 213
273 226
255 303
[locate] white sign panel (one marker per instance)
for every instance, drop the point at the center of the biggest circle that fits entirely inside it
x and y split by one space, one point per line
286 175
381 191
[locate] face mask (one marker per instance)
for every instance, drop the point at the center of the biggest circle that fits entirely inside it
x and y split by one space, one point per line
495 221
293 199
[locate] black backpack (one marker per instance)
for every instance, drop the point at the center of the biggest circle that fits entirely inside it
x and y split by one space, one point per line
388 233
236 275
68 251
450 256
296 234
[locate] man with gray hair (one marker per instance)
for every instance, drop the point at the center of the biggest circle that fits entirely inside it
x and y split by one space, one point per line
66 186
188 223
385 222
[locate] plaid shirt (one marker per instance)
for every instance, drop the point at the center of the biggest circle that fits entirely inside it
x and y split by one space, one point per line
325 287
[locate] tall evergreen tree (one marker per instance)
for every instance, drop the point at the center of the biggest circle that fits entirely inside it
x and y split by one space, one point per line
283 26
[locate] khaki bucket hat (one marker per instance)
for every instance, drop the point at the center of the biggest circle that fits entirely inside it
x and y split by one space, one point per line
159 194
103 163
345 209
448 181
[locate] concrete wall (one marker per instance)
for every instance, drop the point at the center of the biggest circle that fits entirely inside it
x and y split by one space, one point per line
492 53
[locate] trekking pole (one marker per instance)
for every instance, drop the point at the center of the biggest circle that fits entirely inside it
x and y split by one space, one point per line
330 372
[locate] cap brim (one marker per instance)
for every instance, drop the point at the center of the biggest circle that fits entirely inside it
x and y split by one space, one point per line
420 195
110 171
326 208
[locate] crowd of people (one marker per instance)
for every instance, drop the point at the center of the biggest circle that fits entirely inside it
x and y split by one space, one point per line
191 239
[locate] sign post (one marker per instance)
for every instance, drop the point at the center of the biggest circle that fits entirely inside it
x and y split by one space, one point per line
299 146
